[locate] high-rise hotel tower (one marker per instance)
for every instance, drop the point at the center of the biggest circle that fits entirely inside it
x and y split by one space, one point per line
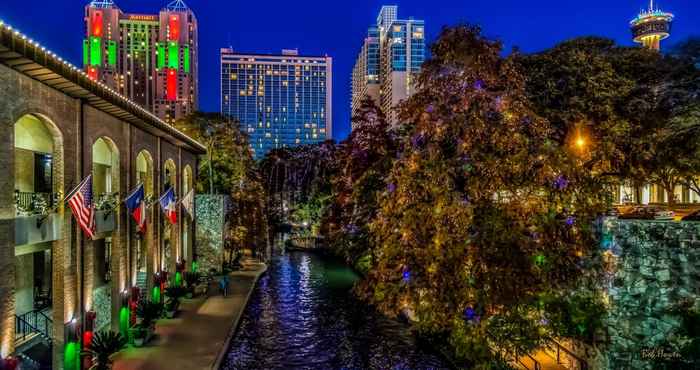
280 100
391 56
149 58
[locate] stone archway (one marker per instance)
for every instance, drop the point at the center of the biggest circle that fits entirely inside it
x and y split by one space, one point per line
169 235
143 258
187 232
104 275
36 173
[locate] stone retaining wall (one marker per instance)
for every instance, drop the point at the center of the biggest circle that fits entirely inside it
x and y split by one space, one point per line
211 211
655 268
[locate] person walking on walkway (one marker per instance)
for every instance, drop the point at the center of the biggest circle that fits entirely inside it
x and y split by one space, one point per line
223 285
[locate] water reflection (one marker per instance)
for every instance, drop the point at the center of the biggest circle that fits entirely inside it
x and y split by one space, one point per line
303 316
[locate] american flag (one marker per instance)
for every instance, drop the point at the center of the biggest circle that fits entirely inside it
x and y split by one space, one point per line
80 202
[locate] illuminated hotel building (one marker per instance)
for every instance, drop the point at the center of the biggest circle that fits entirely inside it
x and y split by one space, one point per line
651 26
279 100
396 49
365 74
149 58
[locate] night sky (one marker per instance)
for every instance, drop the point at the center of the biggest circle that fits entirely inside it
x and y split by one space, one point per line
337 28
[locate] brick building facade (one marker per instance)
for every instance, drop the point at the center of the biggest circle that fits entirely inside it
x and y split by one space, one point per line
86 128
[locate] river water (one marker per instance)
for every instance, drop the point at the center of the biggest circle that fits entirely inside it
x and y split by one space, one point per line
303 315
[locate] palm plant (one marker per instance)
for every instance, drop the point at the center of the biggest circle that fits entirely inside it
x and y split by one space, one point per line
104 345
192 278
148 312
174 294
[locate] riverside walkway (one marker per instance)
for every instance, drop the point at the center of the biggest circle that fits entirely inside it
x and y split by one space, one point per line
198 337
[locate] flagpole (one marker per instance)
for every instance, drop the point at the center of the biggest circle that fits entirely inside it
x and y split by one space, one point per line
75 190
134 191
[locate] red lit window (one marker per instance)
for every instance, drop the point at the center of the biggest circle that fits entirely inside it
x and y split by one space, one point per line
97 24
92 73
172 85
174 28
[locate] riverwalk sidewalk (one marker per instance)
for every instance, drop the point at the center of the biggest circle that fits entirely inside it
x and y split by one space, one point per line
198 337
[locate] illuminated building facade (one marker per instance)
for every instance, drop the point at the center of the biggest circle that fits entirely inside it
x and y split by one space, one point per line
365 74
58 285
651 26
398 57
149 58
279 100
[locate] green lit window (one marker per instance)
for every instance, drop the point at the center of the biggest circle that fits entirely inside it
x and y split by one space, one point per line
161 55
173 55
95 51
186 58
86 52
112 53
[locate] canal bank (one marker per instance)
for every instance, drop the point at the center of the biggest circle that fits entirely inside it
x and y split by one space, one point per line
198 338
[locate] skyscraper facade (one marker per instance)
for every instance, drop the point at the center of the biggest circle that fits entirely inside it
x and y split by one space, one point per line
365 74
280 100
398 57
149 58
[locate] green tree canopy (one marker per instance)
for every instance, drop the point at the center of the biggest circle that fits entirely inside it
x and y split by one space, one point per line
487 222
228 162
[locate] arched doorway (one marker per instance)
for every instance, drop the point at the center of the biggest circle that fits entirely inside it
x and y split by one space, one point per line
169 235
143 261
101 280
187 186
38 185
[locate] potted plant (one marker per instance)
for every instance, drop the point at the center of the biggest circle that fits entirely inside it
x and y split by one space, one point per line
148 312
104 344
191 280
139 334
174 294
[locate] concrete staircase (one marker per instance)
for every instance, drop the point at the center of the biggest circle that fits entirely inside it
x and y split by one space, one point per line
33 339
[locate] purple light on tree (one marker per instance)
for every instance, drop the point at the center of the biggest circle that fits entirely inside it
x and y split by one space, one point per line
560 183
391 187
469 314
570 220
417 140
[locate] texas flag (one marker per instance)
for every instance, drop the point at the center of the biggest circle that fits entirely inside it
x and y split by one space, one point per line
136 205
167 202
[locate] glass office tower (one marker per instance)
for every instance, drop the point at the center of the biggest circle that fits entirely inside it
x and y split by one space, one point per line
395 48
279 100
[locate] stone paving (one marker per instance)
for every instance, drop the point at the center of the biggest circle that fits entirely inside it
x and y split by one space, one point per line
198 337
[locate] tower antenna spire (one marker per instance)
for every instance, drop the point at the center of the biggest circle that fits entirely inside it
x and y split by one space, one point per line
651 5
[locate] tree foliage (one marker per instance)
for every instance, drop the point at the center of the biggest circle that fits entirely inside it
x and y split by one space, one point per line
489 211
359 167
228 168
480 212
228 162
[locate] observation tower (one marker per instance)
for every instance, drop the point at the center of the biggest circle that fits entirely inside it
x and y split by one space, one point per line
651 26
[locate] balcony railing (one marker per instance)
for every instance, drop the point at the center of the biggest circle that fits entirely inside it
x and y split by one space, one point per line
29 203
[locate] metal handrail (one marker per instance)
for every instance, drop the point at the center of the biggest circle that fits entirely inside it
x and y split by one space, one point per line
582 364
23 328
33 322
